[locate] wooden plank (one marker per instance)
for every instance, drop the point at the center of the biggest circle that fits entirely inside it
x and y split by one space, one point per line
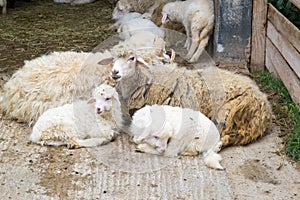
296 3
286 28
258 39
276 62
287 50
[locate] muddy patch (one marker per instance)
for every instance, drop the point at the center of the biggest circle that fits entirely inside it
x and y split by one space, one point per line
258 172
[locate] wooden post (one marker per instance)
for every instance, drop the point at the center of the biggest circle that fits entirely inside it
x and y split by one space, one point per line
296 3
258 39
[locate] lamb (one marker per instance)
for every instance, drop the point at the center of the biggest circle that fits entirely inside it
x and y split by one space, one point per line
139 24
172 131
3 4
50 81
197 16
125 19
81 124
125 6
233 101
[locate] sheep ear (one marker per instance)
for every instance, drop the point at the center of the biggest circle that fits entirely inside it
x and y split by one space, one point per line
164 18
106 61
91 100
140 60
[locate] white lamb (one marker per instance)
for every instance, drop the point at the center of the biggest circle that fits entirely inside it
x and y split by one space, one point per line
197 16
137 25
172 131
81 124
126 18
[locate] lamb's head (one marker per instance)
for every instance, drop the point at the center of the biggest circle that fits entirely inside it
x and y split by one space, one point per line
122 7
103 97
166 12
125 67
158 139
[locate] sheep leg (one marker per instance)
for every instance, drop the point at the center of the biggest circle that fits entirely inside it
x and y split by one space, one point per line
188 35
90 142
200 49
146 148
212 160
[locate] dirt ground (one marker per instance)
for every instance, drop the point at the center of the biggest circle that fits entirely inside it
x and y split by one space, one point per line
116 171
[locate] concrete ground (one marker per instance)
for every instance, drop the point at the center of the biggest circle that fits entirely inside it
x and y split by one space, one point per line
116 171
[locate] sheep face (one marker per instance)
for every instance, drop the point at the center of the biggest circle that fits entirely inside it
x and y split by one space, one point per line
167 9
122 7
123 68
159 139
103 97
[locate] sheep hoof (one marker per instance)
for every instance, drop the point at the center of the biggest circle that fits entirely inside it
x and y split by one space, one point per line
139 150
190 153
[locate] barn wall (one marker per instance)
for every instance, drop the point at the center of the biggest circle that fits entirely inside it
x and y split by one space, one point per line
232 29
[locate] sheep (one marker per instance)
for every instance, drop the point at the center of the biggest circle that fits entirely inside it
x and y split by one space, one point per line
139 24
233 101
80 124
146 44
172 131
197 16
3 4
74 2
125 19
50 81
125 6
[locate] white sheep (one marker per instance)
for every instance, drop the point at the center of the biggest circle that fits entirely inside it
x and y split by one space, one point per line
81 124
197 16
126 18
233 101
50 81
136 25
146 44
125 6
3 4
172 131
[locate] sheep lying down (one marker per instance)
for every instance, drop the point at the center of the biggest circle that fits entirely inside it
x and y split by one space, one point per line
172 131
80 124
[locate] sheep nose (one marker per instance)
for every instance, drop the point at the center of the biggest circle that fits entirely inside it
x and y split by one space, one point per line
99 111
115 72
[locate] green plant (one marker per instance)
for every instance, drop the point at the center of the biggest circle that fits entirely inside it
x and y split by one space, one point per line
288 10
286 111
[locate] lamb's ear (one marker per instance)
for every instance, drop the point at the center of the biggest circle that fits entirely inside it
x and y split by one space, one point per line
141 61
164 18
106 61
91 100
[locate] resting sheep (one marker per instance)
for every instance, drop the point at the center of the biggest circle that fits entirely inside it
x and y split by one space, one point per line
50 81
241 111
136 25
80 124
125 19
172 131
197 16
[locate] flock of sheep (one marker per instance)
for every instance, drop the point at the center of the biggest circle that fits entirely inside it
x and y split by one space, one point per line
83 99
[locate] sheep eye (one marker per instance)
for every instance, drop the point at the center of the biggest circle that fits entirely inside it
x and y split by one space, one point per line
107 99
169 140
156 137
132 58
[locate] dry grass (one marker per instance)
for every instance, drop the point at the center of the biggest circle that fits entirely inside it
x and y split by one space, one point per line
42 26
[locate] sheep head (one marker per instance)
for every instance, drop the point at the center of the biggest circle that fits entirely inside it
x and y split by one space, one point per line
122 7
167 10
124 68
157 139
103 97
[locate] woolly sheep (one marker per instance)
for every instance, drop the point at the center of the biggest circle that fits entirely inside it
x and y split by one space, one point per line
125 6
50 81
241 111
3 4
172 131
197 16
80 124
125 19
139 24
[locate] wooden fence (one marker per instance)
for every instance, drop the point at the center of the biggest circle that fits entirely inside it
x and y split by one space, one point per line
276 45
